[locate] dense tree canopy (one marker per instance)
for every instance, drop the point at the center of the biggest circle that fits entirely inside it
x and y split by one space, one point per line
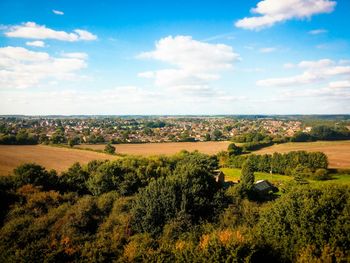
308 217
169 209
283 163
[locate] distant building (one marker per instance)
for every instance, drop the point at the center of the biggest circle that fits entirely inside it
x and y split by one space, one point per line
264 187
219 177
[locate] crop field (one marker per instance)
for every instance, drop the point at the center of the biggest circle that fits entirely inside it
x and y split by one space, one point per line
50 157
148 149
338 152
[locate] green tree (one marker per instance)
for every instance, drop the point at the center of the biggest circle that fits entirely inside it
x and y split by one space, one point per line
74 179
216 135
73 141
110 149
247 176
31 173
207 137
234 150
307 215
58 137
190 191
302 137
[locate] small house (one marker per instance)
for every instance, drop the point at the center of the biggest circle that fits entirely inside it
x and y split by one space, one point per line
264 187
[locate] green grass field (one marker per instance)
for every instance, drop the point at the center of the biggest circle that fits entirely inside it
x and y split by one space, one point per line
233 174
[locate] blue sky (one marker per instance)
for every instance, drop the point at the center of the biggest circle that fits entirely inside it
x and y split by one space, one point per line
186 57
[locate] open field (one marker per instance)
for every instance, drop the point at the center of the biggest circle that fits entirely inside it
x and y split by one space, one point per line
233 174
50 157
338 152
148 149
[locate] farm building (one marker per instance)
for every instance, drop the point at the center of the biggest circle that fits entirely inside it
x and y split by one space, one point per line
264 187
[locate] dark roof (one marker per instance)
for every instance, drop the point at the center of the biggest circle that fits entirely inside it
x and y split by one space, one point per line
263 185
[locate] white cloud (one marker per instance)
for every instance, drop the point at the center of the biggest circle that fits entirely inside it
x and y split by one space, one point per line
32 30
344 61
36 43
78 55
271 12
22 68
194 63
314 71
57 12
325 93
341 84
85 35
318 31
267 49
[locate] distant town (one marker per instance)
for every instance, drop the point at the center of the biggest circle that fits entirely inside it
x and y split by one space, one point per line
152 129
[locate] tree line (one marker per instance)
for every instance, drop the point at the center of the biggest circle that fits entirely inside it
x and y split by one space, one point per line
252 141
322 133
282 163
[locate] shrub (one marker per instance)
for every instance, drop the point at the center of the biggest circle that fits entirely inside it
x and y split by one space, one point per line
110 149
321 175
234 150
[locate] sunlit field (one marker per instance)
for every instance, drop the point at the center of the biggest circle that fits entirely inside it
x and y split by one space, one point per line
56 158
338 152
147 149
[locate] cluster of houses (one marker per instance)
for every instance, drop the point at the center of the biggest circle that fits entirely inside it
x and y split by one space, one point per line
136 130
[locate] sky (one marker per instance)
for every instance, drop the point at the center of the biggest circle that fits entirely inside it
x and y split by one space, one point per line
130 57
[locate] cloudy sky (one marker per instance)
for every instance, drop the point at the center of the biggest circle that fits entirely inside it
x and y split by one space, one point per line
175 57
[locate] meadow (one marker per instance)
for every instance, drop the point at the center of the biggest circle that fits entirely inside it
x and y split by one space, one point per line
338 152
233 174
149 149
56 158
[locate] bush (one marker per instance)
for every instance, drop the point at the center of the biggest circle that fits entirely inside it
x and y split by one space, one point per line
302 171
321 175
234 150
109 148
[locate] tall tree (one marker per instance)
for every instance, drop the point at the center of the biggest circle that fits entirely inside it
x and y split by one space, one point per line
247 175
